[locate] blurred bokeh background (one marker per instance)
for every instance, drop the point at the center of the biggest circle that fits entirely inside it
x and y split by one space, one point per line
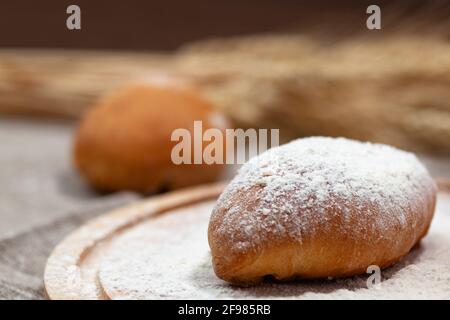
305 67
165 25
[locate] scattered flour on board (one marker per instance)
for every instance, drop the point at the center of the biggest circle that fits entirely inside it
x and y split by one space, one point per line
168 257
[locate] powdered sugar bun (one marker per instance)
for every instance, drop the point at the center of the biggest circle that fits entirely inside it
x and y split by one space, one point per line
320 207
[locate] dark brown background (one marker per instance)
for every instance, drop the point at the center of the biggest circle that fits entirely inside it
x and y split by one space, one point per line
165 24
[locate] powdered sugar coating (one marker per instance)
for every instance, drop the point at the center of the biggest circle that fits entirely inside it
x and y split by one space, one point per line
286 191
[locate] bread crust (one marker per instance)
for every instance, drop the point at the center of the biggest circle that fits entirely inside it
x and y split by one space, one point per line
124 142
346 238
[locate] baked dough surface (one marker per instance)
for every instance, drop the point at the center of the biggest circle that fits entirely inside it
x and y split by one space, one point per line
320 207
124 142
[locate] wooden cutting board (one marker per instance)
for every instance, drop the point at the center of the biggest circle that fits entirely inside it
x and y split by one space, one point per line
129 254
71 270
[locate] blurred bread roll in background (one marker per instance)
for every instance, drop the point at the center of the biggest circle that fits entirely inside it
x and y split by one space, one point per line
124 141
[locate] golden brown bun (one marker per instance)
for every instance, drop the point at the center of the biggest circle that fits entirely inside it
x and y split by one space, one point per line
124 142
320 207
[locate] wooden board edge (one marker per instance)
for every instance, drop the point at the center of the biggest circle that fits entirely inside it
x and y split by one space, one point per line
62 278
